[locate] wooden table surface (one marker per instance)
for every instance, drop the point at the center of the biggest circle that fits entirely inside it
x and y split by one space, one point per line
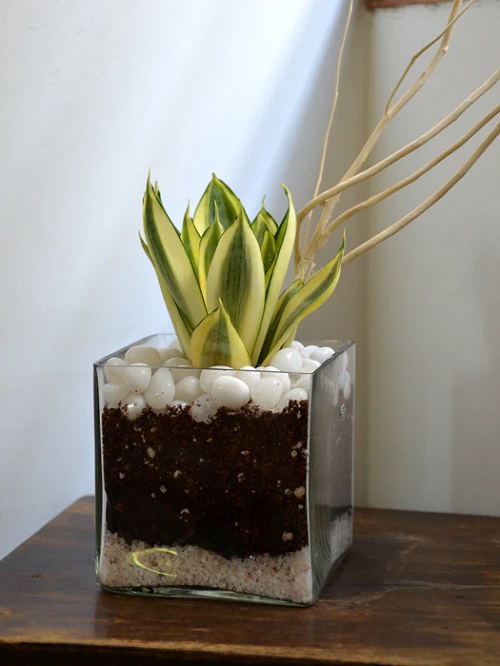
416 588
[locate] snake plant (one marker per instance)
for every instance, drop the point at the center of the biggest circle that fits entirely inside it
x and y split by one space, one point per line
222 277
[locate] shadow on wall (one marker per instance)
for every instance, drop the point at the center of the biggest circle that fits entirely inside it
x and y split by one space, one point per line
476 458
298 141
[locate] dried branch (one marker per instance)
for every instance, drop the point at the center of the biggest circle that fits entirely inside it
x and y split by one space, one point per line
430 201
409 148
327 200
321 233
409 94
377 198
327 134
417 55
303 260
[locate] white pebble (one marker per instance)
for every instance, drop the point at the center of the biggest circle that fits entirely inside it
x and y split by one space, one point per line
203 408
340 365
178 403
137 377
249 375
345 383
175 344
303 382
308 365
230 392
209 375
167 353
133 405
188 389
113 369
322 354
287 359
335 394
300 348
310 349
161 389
180 367
267 392
176 360
182 371
294 394
113 394
143 354
282 377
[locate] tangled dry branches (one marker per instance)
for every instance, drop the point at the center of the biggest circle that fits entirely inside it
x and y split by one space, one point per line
309 240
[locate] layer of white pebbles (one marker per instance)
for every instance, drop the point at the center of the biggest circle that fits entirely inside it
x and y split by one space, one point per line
287 577
157 378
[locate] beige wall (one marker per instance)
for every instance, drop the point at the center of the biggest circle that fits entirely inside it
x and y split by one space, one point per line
434 315
425 306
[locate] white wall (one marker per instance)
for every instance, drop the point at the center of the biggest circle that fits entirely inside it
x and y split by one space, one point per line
345 315
93 94
434 315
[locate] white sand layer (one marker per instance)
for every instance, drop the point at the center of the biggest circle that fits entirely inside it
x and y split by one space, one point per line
341 535
286 577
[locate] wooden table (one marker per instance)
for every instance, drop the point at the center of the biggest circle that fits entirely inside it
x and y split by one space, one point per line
417 588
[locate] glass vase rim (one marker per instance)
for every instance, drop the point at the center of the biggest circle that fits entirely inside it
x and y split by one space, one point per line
338 346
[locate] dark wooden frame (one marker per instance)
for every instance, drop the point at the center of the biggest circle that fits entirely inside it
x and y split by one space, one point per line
381 4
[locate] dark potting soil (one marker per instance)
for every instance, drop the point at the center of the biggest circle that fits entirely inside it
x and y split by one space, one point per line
235 485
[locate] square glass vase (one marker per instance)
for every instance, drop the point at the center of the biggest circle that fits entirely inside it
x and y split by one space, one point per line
201 496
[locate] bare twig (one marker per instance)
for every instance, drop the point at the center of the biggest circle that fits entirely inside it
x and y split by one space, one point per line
417 55
304 262
319 236
410 147
327 200
430 201
377 198
409 94
327 136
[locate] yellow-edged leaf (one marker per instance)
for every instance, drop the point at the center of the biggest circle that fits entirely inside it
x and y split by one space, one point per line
215 341
236 276
283 301
284 240
228 204
263 222
268 250
190 239
291 337
264 227
304 301
208 245
171 260
271 223
180 327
